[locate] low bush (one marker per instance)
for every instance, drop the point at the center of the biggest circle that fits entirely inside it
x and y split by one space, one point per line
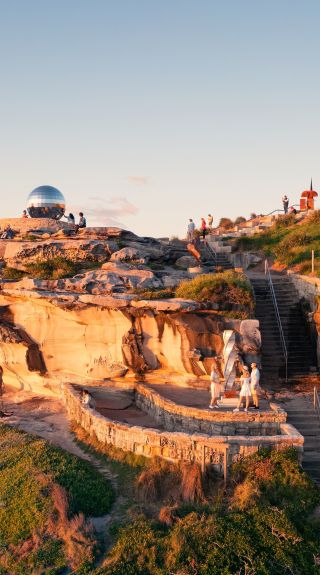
228 289
12 273
154 293
53 268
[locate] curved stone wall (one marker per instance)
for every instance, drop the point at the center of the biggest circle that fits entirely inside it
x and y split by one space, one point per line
219 451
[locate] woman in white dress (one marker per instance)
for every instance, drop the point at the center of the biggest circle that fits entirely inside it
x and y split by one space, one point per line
245 391
215 386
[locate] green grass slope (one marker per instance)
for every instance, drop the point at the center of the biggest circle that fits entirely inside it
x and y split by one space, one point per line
45 496
289 242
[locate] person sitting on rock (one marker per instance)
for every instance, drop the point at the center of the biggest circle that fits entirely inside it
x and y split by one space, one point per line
245 392
8 233
82 222
87 399
215 386
24 215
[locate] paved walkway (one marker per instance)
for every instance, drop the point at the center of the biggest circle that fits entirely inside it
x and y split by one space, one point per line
192 397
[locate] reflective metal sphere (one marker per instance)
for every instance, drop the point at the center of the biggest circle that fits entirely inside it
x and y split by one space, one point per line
46 202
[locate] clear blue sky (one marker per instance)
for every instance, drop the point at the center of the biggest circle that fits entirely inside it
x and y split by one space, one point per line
147 112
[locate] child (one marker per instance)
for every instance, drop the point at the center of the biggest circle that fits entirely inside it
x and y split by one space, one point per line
245 391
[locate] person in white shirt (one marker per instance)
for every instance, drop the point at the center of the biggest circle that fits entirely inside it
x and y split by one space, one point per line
255 385
215 386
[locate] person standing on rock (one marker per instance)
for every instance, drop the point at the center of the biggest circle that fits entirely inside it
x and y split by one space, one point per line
285 202
203 228
245 392
215 387
191 228
255 385
210 221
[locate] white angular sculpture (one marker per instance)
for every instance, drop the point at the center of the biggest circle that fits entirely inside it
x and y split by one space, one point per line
230 355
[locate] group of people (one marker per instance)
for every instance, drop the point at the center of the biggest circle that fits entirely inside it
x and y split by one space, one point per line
82 221
250 388
205 226
70 218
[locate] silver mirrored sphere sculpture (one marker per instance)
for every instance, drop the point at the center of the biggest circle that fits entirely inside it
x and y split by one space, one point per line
46 202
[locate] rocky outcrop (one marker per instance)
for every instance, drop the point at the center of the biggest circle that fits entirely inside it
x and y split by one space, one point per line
19 254
91 336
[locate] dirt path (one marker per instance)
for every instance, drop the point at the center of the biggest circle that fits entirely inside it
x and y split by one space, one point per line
47 418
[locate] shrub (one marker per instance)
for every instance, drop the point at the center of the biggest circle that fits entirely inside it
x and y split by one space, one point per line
53 268
267 531
225 223
228 289
12 273
154 293
239 220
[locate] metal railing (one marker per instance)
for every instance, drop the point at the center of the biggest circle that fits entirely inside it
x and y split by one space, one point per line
277 314
211 251
316 401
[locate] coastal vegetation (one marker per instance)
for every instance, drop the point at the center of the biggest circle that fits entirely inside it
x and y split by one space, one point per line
46 498
230 290
264 521
288 242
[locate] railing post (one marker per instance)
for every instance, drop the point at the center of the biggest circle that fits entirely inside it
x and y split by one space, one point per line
265 266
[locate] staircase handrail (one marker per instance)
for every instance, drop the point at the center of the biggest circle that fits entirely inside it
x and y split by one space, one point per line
279 210
212 251
316 401
278 317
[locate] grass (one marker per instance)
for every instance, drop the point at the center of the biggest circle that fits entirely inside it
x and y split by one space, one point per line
46 494
12 273
53 268
229 289
288 242
154 293
269 532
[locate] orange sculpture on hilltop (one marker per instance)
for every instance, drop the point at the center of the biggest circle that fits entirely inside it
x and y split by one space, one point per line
307 199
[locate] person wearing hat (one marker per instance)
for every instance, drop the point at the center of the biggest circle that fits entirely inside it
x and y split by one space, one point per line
255 385
245 391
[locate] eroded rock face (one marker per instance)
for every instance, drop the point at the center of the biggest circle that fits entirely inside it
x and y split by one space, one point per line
91 340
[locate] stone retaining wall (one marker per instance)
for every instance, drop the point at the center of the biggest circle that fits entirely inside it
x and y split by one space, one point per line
175 417
219 451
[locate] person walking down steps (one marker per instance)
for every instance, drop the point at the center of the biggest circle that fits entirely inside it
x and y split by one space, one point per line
245 392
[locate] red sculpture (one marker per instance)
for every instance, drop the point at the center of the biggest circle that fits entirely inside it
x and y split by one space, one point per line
307 199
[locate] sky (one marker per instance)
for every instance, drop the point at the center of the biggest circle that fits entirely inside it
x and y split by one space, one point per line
145 113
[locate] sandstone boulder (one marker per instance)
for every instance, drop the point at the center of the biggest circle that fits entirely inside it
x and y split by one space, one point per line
185 262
